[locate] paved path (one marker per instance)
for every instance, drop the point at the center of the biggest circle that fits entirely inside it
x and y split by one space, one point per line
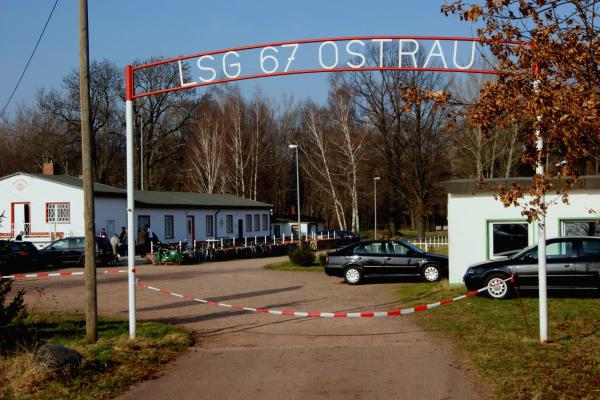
240 355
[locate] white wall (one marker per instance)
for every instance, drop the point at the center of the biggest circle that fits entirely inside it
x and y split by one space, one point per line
285 228
469 217
37 192
110 209
157 223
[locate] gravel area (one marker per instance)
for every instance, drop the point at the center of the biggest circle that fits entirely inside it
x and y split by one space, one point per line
256 356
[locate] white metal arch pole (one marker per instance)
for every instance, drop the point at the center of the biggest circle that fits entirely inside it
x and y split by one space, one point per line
130 199
541 229
542 284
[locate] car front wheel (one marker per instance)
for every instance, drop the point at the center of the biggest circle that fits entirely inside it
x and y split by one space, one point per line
431 273
497 287
353 276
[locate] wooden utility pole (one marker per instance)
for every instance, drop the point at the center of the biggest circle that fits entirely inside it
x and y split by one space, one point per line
87 143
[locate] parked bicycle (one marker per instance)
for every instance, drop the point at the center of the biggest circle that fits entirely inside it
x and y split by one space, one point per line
196 252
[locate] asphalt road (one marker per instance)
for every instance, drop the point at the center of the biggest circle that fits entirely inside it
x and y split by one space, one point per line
242 355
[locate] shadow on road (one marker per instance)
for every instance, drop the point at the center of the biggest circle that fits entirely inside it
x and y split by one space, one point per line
220 299
249 327
208 317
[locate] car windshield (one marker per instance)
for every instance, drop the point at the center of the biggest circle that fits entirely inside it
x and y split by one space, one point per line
555 249
410 246
522 252
346 250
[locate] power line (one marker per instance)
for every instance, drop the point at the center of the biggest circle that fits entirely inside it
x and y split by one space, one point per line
28 61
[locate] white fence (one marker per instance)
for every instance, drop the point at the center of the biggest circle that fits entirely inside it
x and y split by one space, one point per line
429 242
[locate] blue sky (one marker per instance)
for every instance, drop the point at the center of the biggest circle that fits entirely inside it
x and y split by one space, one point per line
122 31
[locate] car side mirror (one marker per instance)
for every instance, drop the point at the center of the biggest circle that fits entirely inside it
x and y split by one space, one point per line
528 257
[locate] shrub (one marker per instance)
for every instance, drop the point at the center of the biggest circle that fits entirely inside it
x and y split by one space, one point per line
302 255
322 259
12 317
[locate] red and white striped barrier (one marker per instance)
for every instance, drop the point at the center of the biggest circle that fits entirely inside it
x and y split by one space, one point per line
55 274
364 314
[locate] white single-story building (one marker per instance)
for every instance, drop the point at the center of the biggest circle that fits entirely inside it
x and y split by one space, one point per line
480 226
288 225
46 206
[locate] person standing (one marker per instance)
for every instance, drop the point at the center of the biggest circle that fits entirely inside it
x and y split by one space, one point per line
123 241
123 235
114 243
149 237
142 241
103 233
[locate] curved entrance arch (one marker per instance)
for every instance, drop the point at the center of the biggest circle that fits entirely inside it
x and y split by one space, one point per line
280 59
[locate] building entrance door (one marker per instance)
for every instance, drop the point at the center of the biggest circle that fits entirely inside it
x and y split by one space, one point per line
240 228
21 219
190 228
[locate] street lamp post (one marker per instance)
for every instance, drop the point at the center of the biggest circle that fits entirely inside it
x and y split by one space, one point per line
295 147
375 179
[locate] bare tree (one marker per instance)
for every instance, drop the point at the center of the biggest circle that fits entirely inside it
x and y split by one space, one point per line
239 157
405 110
106 117
168 119
320 169
483 155
260 127
206 149
350 147
277 166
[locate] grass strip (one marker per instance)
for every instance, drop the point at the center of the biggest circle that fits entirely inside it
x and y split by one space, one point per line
111 365
290 266
501 339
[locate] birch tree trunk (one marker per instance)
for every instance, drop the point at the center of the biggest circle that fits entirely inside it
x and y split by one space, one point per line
322 166
206 146
207 157
236 146
350 147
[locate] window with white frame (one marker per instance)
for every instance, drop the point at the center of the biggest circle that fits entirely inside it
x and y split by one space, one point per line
265 225
58 213
209 225
169 227
229 223
248 222
257 222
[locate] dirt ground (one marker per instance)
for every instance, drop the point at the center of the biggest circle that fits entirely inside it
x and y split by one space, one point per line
242 355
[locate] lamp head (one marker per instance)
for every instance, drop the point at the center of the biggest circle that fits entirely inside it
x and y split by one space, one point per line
293 146
376 178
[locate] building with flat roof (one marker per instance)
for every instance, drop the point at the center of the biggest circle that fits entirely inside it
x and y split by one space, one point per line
47 206
479 227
